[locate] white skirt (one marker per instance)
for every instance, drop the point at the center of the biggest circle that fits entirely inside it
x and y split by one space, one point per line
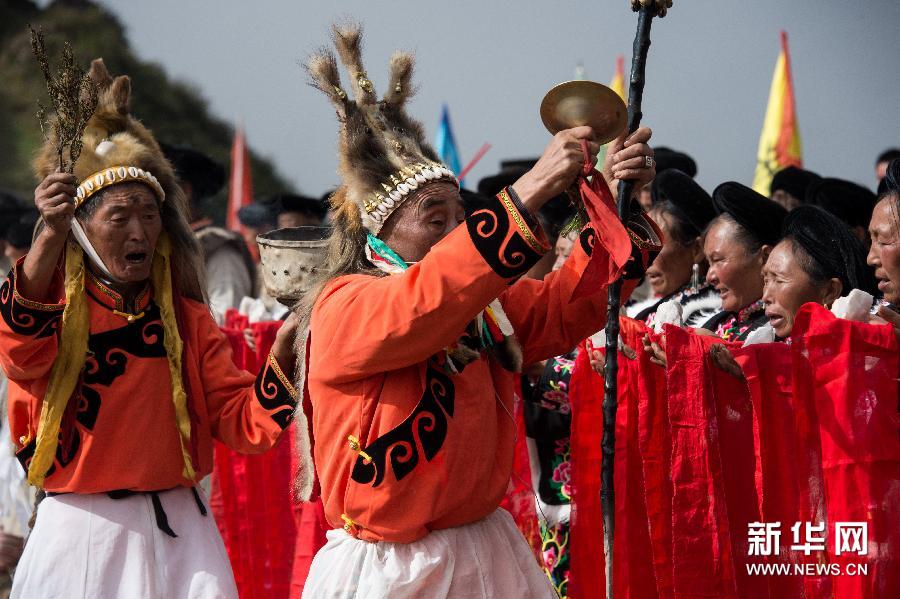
92 546
488 559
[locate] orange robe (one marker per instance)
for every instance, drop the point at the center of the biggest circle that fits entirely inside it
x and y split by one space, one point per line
119 430
435 450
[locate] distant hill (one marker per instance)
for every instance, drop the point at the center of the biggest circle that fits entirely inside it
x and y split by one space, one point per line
173 110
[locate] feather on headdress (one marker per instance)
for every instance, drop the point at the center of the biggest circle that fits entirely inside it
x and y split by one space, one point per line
383 154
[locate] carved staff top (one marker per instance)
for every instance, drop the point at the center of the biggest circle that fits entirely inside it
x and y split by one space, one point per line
661 6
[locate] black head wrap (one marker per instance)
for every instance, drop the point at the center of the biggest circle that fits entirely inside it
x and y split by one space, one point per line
510 171
11 207
888 155
20 231
848 201
681 197
832 249
205 175
289 202
891 181
667 158
759 216
794 181
257 215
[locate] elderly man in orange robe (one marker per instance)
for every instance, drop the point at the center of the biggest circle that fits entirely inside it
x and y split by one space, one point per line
119 378
411 342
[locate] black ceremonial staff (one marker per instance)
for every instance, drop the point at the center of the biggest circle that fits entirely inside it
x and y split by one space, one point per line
646 9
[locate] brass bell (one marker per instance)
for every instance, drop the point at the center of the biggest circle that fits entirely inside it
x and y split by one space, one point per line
578 103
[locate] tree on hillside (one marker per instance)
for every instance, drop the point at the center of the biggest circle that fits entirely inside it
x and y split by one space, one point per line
174 111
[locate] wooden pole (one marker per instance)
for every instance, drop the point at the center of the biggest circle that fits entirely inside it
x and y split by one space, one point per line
610 395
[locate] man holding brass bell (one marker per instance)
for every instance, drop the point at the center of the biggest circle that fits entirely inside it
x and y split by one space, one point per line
410 341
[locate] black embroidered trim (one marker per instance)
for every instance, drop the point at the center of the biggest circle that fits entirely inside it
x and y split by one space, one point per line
27 318
69 444
645 246
587 239
425 428
499 241
109 351
530 220
272 392
637 266
26 454
115 296
87 406
108 355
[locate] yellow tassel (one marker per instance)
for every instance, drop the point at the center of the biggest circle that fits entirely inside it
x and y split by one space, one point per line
71 354
73 346
163 295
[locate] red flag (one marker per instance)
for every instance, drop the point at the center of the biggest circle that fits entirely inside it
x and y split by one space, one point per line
240 185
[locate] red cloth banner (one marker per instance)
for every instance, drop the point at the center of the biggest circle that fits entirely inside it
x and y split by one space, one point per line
270 539
519 498
704 459
604 267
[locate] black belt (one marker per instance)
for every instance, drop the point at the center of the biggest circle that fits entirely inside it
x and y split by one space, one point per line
162 520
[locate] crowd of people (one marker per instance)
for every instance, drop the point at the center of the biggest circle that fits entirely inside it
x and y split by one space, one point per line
437 319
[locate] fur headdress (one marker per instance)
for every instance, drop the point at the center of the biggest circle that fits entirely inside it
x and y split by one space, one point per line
383 154
117 148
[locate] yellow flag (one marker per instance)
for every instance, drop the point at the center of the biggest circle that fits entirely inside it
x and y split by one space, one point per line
779 143
617 85
618 81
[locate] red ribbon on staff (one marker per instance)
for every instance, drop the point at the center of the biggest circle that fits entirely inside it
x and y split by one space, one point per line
606 266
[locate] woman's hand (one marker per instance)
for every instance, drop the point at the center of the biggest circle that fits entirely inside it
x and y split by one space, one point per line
597 358
626 159
285 338
656 350
892 318
556 169
249 339
54 198
723 359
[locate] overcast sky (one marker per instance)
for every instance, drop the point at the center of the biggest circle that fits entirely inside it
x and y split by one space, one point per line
708 75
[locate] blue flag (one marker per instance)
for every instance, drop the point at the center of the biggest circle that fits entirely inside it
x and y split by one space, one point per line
445 144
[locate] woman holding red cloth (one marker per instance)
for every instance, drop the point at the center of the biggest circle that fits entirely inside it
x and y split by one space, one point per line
683 211
737 244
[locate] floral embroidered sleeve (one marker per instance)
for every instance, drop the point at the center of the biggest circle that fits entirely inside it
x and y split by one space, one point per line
371 325
28 339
